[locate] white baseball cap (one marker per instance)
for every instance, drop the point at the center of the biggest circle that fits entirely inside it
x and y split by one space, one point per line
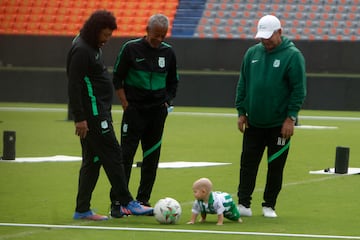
267 25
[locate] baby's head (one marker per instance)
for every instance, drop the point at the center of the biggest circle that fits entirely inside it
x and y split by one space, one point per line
202 188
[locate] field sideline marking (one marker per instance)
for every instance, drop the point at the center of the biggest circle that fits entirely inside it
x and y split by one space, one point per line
33 109
189 203
178 231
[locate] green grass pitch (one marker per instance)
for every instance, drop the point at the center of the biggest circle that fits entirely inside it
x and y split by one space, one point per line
321 206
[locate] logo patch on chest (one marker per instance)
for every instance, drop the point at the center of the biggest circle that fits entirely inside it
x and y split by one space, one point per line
276 63
104 124
161 62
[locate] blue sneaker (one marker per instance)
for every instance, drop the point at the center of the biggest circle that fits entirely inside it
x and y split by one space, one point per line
90 215
135 208
146 204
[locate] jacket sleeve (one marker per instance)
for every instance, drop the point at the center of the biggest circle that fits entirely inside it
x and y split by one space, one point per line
77 67
121 68
297 76
172 79
241 88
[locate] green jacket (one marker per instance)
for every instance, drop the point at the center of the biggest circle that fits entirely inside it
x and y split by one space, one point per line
272 85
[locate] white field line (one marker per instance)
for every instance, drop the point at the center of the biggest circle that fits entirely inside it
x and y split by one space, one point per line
184 230
202 114
11 236
27 233
178 231
31 109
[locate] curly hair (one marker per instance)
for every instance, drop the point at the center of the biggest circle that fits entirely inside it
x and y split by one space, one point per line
98 21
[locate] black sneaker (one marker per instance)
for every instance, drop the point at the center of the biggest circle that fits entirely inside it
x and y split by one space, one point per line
115 210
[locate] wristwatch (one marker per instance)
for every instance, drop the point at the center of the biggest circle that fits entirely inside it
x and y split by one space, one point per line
292 118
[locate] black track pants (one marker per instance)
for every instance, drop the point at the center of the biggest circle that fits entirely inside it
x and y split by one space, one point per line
254 142
145 126
101 148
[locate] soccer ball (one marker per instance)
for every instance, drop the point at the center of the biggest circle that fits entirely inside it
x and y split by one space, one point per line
167 211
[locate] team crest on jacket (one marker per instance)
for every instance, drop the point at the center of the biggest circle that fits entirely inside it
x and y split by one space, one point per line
161 62
276 63
104 124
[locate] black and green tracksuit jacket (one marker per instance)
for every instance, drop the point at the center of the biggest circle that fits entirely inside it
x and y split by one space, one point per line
90 88
148 75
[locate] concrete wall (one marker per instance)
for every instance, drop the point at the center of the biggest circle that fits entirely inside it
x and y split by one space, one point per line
32 70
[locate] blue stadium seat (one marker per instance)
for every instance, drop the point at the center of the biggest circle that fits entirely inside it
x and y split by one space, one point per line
187 17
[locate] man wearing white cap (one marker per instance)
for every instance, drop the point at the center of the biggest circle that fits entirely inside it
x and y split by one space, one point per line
269 95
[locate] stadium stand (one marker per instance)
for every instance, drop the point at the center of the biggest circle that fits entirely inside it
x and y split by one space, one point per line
187 17
65 17
301 19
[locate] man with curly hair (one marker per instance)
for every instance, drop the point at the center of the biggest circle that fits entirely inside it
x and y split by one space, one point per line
90 97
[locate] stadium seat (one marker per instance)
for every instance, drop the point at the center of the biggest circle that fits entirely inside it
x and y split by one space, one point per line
290 7
277 8
63 17
263 7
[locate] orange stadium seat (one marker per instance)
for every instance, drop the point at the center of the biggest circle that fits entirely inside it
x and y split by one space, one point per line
65 17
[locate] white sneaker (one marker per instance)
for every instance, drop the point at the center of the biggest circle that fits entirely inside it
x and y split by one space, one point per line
269 212
244 211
